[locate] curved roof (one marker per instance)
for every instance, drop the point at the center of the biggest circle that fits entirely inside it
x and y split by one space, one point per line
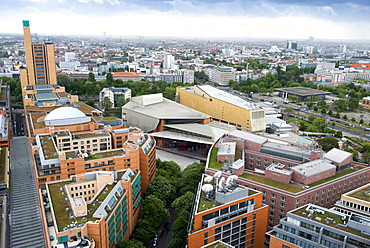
64 113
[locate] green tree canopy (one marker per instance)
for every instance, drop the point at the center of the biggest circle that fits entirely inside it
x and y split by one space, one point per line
161 188
183 202
107 104
328 143
121 101
130 244
154 210
191 177
145 231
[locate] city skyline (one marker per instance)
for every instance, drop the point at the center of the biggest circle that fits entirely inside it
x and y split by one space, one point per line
191 18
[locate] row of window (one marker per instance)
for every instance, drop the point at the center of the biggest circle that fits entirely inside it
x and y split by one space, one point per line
84 193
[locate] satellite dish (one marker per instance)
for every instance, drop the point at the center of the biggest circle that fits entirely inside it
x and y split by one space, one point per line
208 179
220 184
207 188
217 174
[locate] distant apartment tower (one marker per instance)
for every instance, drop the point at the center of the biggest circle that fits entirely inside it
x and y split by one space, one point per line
312 226
168 61
224 75
69 57
40 60
224 211
114 94
291 45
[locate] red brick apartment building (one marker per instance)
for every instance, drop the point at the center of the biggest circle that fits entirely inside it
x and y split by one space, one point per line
287 176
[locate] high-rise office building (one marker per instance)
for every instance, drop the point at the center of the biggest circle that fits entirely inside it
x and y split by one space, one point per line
40 60
291 45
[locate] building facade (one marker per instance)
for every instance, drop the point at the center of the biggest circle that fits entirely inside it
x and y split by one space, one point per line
312 226
40 60
113 94
224 75
289 176
99 208
223 107
226 212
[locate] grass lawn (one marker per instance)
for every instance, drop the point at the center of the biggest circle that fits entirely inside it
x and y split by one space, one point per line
272 183
361 194
310 127
339 174
212 160
351 128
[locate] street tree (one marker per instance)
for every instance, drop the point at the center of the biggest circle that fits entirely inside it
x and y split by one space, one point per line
154 210
354 152
340 105
161 188
133 243
328 143
121 101
145 231
191 177
321 104
353 104
183 202
107 104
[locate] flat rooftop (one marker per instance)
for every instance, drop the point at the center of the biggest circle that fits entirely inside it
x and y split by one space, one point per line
362 193
162 108
337 155
248 136
327 217
313 167
229 193
227 148
303 91
227 97
63 211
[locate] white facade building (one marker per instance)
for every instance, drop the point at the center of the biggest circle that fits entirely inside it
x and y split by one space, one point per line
113 94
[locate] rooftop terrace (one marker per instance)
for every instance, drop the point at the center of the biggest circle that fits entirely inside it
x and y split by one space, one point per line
362 194
48 147
107 154
328 217
65 217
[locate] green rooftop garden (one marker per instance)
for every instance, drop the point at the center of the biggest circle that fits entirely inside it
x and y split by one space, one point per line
339 174
363 194
2 165
212 160
104 154
89 135
337 220
3 94
48 147
272 183
60 205
204 205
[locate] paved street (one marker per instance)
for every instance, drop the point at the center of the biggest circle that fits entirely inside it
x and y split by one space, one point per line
181 160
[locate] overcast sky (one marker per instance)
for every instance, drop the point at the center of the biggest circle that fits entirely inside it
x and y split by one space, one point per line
298 19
